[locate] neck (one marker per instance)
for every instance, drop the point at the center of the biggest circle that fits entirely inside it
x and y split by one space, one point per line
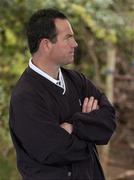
47 66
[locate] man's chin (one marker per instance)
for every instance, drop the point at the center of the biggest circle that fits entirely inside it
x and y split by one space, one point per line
70 61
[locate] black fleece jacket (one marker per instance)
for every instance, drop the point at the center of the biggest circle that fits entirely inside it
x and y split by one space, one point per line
44 150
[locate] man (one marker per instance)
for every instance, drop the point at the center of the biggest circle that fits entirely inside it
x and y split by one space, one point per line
57 116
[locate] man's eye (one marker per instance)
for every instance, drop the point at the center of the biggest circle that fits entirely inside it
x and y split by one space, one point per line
71 37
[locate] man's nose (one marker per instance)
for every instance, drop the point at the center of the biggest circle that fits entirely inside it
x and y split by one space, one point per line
75 44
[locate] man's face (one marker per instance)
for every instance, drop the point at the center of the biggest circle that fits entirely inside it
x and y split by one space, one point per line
62 52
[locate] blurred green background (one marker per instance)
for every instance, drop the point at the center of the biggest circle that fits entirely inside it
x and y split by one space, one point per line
104 30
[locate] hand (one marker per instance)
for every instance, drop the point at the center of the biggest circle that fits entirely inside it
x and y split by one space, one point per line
67 126
90 104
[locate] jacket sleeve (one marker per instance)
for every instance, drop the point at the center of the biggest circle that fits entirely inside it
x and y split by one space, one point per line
40 135
98 125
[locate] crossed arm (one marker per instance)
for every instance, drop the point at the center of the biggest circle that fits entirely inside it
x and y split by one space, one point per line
89 105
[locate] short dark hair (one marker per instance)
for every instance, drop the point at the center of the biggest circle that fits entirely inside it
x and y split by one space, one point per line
41 25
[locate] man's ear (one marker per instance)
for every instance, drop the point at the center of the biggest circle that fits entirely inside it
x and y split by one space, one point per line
45 44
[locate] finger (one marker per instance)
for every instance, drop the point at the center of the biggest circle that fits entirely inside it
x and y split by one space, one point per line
90 104
98 107
95 104
84 107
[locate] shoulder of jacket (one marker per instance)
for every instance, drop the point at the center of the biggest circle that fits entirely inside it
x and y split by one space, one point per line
73 73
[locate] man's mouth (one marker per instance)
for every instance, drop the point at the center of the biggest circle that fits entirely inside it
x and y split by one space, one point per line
72 53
